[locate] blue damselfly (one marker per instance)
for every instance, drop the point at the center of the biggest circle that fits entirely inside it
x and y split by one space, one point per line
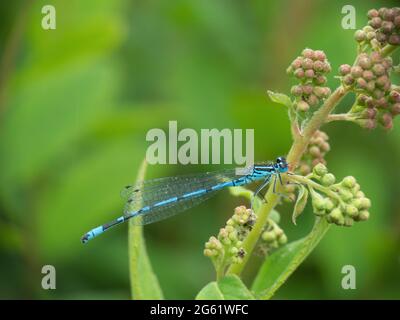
154 200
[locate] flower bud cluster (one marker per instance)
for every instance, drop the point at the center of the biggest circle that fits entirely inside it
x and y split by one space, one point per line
273 236
315 153
227 247
344 204
370 112
383 25
370 74
310 68
378 101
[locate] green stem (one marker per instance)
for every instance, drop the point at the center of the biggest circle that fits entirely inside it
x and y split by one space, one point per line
251 240
340 117
388 50
314 185
220 272
296 152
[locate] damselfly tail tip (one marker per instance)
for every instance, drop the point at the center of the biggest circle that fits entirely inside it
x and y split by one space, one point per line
85 238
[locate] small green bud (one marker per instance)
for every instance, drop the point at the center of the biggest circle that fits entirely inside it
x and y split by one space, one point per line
268 236
345 194
239 243
233 250
370 35
282 239
337 216
329 205
363 215
365 203
208 252
235 260
233 236
355 189
348 221
274 244
328 179
360 35
320 170
357 203
223 233
349 182
278 232
319 203
360 194
351 210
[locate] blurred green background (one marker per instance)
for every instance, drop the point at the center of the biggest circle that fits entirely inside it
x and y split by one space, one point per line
76 103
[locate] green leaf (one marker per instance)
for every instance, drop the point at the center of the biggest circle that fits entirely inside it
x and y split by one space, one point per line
280 98
210 292
300 204
144 283
228 288
282 263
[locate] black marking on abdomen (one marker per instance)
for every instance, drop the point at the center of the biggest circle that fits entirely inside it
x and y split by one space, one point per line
112 223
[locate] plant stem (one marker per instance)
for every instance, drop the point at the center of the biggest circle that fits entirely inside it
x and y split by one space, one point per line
296 152
339 117
317 120
388 50
314 185
251 240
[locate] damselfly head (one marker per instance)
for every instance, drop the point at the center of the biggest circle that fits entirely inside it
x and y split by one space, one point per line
281 165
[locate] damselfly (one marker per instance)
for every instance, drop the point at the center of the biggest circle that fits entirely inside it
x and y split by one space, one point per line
154 200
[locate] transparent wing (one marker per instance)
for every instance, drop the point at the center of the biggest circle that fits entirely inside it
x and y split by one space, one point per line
166 211
147 193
